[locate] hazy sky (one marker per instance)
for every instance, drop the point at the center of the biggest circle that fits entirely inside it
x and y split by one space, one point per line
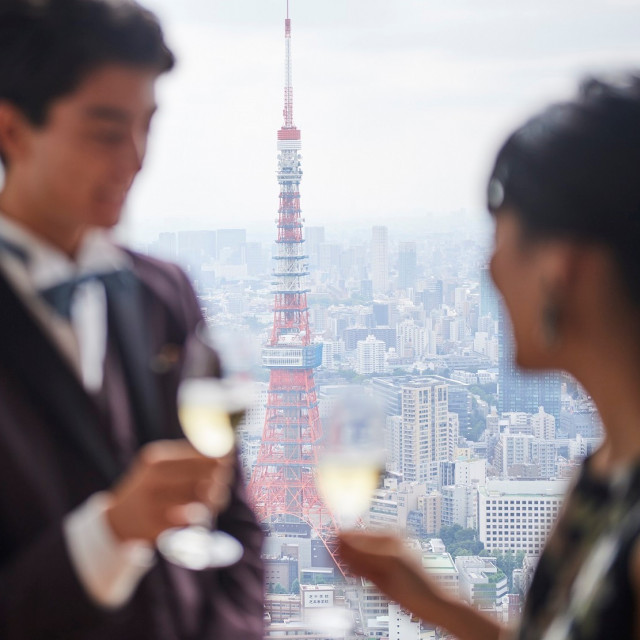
401 103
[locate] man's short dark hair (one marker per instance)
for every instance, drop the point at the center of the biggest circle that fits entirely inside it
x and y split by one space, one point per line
47 47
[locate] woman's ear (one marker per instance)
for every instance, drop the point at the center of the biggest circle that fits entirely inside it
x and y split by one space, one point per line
559 266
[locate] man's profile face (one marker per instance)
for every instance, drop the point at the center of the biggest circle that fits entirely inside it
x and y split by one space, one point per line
79 166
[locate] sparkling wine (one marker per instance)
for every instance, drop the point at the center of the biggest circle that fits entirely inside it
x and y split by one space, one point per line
207 416
208 429
347 484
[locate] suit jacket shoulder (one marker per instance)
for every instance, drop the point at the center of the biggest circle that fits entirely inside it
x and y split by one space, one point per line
170 286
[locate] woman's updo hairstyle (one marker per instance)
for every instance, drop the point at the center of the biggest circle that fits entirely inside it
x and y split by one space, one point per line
574 171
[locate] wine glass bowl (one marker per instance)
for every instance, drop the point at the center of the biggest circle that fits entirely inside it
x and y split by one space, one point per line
352 457
350 461
215 391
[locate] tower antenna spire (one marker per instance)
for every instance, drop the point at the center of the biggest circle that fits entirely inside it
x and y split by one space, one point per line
288 79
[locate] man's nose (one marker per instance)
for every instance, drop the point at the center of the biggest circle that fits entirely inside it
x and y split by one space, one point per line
133 153
138 150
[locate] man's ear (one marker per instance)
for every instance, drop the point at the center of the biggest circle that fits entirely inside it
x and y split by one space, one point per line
13 131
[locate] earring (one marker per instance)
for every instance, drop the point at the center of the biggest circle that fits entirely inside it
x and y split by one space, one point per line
551 324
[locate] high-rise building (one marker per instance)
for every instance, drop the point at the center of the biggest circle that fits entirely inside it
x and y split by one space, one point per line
428 433
370 356
519 390
407 265
380 260
516 452
543 425
411 340
543 453
282 486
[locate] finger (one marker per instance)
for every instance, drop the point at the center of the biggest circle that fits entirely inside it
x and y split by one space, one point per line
216 491
160 450
168 493
194 513
178 471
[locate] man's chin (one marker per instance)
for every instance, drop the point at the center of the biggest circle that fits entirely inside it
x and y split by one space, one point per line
107 217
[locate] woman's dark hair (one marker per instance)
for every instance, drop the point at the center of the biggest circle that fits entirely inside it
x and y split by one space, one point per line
574 171
47 47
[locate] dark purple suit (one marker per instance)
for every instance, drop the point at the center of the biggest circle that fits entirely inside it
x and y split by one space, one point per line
58 445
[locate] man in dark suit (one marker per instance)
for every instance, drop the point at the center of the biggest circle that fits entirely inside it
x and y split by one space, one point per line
92 464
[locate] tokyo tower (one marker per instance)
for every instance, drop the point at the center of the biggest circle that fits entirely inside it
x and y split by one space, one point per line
282 486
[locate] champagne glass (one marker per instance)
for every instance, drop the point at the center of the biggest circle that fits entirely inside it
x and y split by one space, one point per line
349 468
352 457
215 391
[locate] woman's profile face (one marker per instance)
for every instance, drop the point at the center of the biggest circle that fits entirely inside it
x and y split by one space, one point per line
516 271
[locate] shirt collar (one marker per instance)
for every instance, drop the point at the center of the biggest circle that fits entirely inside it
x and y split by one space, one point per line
48 266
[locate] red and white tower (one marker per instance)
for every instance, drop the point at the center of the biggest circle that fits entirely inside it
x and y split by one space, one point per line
282 486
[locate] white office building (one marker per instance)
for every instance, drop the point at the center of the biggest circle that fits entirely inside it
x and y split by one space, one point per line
517 515
370 356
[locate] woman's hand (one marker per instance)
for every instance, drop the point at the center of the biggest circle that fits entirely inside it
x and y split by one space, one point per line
398 573
386 561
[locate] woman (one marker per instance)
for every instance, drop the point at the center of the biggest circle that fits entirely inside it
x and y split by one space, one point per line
565 195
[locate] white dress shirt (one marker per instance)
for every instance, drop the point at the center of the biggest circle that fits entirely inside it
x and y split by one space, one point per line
109 570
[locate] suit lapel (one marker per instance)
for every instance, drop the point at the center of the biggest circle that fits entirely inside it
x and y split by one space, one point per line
52 385
127 320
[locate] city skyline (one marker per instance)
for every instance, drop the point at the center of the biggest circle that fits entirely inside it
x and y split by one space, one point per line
412 321
410 100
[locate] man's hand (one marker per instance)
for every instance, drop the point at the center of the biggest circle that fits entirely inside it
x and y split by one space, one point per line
160 489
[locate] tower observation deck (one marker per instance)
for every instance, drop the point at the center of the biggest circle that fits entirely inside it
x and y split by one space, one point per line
282 487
